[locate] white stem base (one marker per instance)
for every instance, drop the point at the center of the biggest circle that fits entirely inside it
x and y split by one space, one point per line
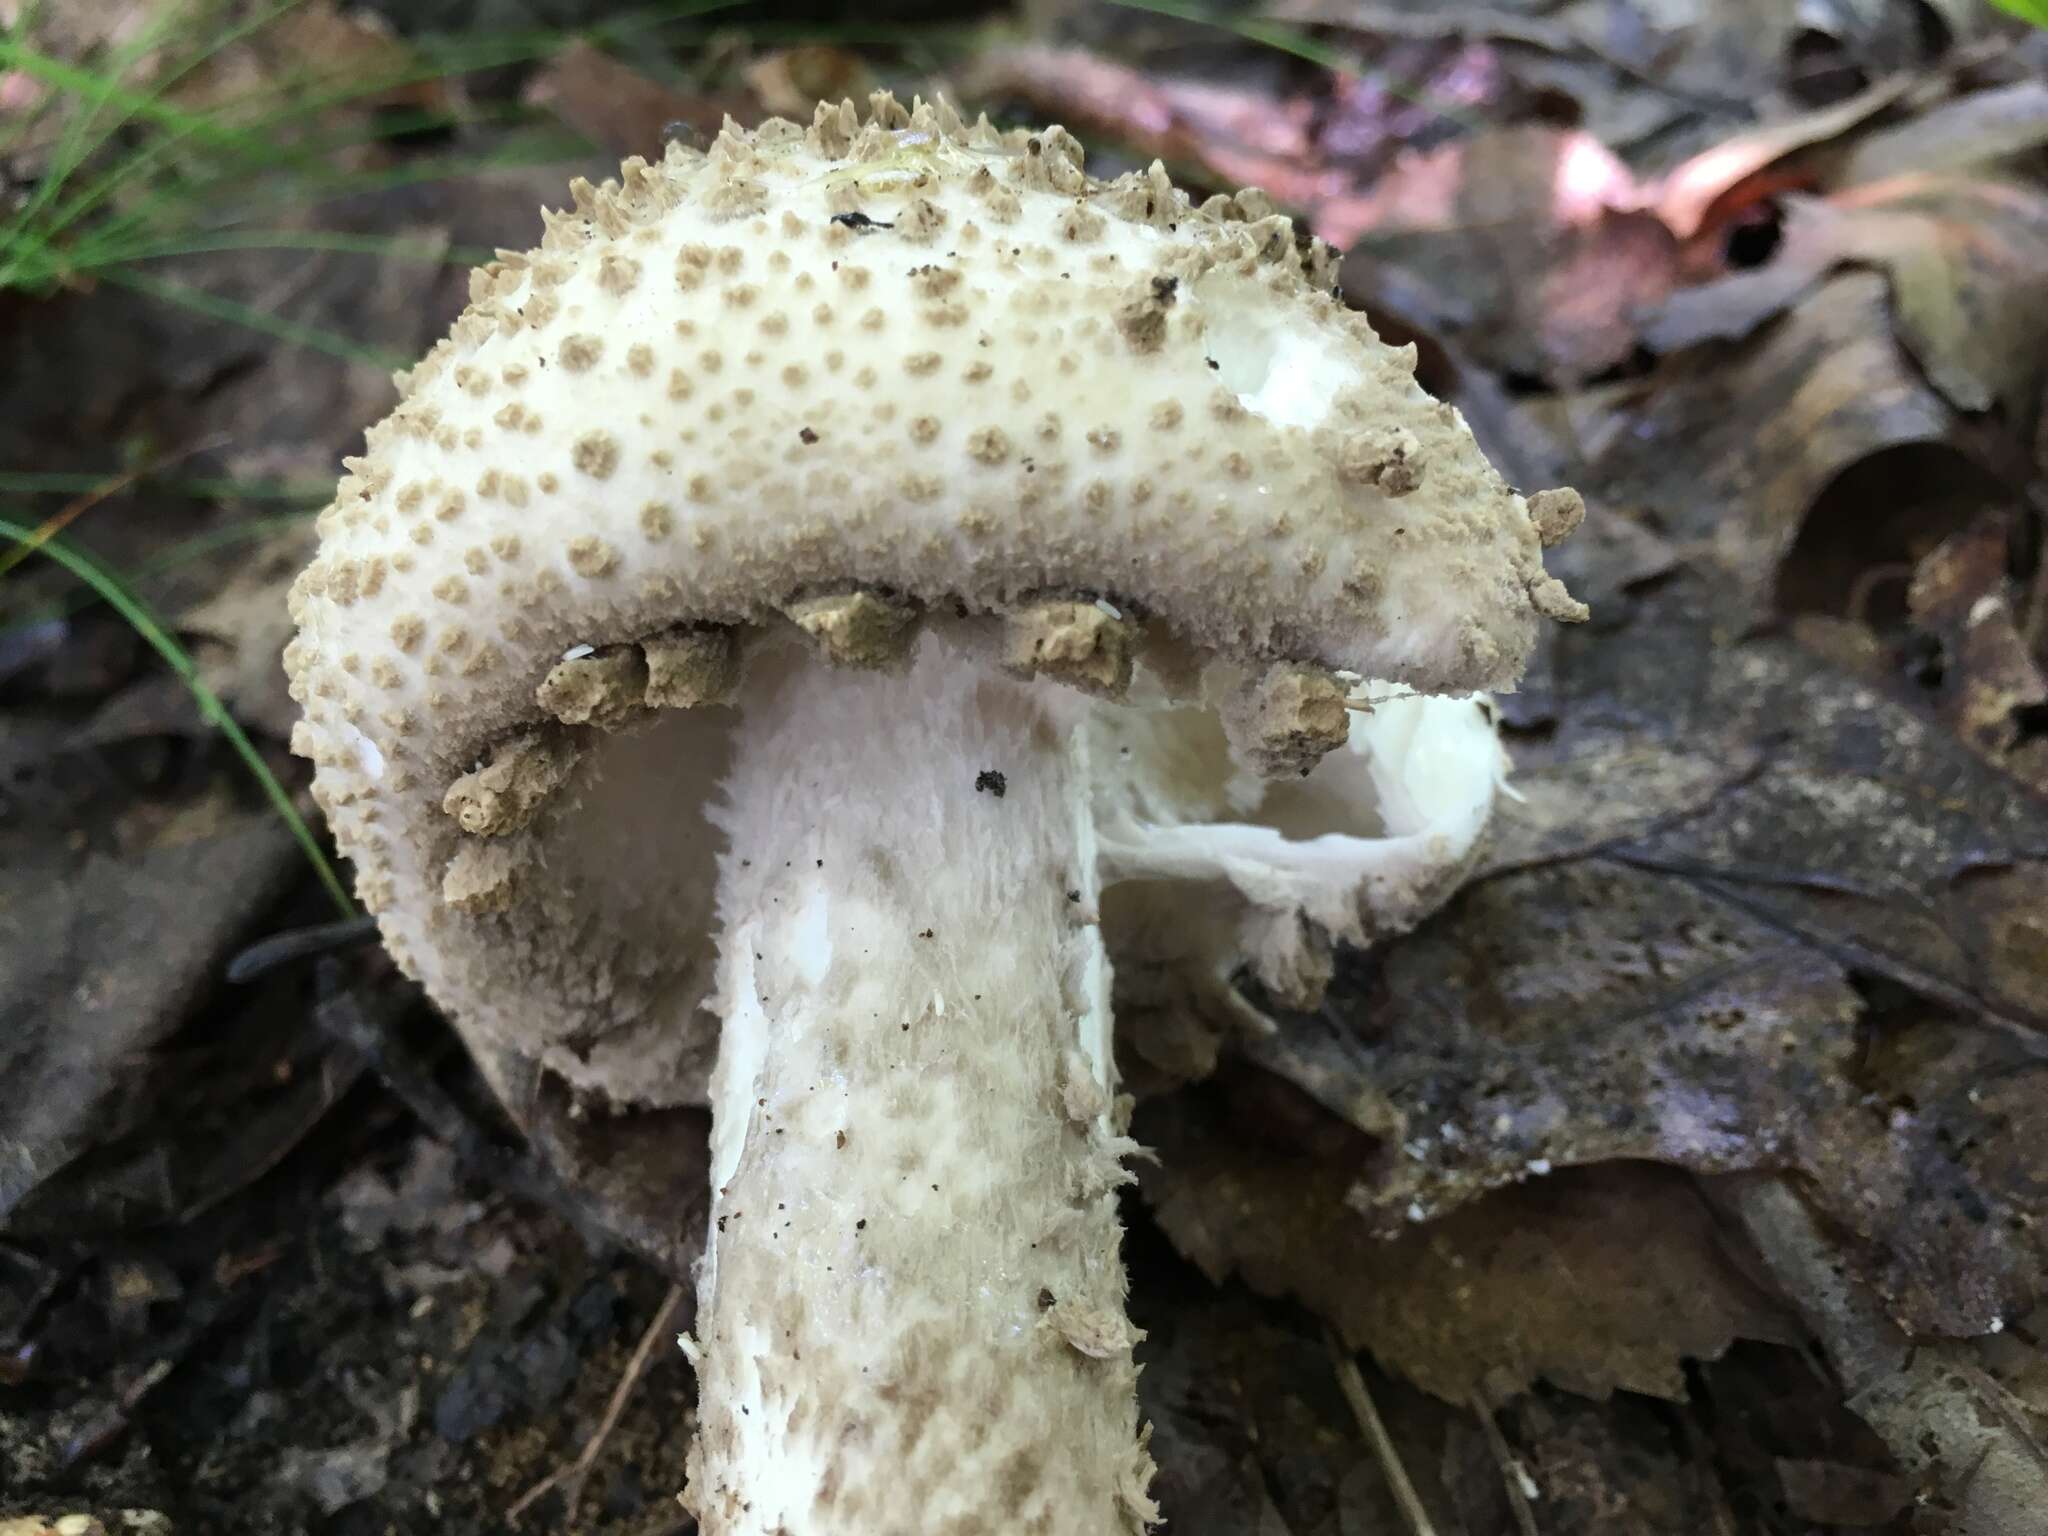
911 1310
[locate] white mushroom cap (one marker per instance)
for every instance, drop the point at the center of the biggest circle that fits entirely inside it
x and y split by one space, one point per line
893 362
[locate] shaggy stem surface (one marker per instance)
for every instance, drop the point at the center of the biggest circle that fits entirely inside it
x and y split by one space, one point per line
911 1308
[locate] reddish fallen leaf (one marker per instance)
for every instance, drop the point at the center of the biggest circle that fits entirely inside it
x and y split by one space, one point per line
1240 137
1521 246
1702 191
624 111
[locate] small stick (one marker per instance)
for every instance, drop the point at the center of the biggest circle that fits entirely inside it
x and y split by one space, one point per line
1512 1475
576 1473
1353 1383
266 955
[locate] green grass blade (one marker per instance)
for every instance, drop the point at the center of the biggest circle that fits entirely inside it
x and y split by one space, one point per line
2035 11
75 150
103 90
108 243
174 558
180 661
390 247
76 142
97 257
15 482
274 326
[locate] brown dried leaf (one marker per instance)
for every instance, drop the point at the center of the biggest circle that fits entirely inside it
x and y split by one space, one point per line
2000 128
792 81
1595 1280
242 629
616 106
1250 1432
1683 994
318 50
643 1176
1701 192
1968 263
86 1012
1936 1169
1518 245
1961 594
1834 1494
1651 79
1599 1473
1948 1421
1732 452
1243 137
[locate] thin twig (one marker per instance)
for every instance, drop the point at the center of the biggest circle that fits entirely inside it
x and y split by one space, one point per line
266 955
573 1476
1353 1383
1512 1475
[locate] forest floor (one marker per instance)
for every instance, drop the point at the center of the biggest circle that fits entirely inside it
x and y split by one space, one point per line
1688 1173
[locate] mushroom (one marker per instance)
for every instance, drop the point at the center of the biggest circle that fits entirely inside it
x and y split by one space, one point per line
777 624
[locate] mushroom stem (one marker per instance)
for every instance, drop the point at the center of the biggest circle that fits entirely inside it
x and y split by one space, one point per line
911 1304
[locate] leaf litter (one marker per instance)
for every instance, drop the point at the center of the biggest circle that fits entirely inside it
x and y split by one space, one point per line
1683 1174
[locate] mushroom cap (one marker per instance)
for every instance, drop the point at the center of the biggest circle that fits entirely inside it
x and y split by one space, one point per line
893 356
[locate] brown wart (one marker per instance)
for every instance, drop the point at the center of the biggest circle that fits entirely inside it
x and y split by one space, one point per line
857 629
514 782
689 668
1086 644
606 688
1288 720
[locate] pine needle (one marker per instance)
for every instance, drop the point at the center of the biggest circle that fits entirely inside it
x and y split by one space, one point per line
180 661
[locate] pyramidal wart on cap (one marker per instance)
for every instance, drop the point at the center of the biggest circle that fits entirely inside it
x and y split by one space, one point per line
811 615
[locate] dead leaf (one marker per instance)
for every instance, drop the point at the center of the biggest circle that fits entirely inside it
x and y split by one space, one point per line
1732 450
1948 1421
1251 1433
790 82
1605 1473
349 61
627 112
1644 79
641 1175
1978 132
1518 246
241 631
1968 262
1241 137
1684 994
1962 595
1595 1280
1778 156
1968 266
1936 1170
84 1005
1833 1494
